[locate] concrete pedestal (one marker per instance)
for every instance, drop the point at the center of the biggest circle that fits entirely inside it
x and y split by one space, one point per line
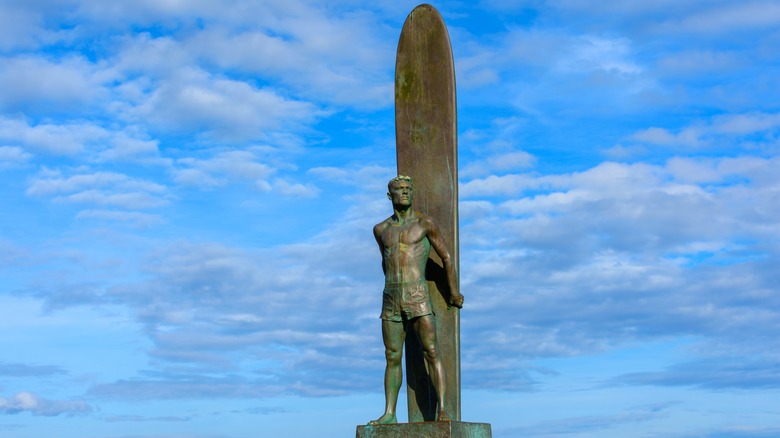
427 429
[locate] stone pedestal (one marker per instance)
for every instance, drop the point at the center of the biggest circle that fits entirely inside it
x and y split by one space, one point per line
427 429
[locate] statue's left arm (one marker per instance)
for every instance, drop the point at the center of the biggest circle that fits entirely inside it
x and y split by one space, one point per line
440 246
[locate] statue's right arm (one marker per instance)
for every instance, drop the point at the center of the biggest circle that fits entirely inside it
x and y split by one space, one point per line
378 236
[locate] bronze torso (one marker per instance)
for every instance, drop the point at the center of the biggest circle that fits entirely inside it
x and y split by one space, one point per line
405 250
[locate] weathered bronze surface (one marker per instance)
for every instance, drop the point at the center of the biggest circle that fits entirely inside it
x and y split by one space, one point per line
428 429
426 145
405 240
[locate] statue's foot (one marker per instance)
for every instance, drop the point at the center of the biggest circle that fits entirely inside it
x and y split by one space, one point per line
443 416
384 419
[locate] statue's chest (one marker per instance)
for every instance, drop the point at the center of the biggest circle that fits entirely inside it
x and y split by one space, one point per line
409 233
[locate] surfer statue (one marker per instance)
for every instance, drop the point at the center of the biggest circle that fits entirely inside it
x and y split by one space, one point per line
405 240
421 298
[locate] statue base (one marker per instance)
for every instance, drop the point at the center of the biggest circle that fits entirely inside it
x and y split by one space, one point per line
427 429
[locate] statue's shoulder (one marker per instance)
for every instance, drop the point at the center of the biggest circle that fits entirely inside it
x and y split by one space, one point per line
425 219
382 225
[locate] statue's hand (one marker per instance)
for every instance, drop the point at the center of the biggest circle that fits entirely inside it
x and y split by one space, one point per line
456 299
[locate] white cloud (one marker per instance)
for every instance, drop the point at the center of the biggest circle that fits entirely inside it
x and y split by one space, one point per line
660 136
260 167
510 6
475 69
692 63
333 59
86 139
11 156
506 185
29 402
620 152
27 370
134 217
195 177
532 47
496 149
99 189
633 417
747 123
65 139
277 312
537 65
38 84
694 171
224 167
286 290
132 200
499 163
372 179
728 17
597 53
18 27
299 45
295 189
732 129
622 10
123 147
622 252
52 182
234 164
151 58
225 108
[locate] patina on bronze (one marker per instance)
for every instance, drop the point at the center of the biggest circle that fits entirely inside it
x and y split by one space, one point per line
405 240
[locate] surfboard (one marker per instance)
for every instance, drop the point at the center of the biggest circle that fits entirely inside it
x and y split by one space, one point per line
426 150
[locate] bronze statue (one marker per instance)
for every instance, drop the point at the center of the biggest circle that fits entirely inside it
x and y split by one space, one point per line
422 293
405 240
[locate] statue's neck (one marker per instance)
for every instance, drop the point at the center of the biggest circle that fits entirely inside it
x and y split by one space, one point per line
403 214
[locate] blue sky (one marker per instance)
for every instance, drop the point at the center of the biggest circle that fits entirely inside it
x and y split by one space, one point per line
189 188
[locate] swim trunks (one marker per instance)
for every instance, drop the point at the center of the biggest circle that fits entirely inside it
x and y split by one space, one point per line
404 301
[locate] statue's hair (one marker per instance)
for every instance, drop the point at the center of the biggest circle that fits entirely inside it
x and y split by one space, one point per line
399 178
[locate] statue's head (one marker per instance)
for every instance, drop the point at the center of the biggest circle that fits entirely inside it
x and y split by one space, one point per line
398 179
399 190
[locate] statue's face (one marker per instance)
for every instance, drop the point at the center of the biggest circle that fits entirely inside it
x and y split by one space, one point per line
401 193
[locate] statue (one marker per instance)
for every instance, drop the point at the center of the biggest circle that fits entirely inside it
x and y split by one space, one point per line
405 240
421 293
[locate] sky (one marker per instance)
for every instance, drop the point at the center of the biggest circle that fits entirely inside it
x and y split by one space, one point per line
189 188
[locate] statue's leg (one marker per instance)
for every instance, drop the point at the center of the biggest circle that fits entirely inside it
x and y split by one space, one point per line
393 335
425 327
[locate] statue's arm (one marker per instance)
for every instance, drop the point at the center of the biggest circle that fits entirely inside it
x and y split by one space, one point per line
440 246
378 236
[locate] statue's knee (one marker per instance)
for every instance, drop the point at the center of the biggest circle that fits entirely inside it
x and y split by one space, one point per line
393 356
